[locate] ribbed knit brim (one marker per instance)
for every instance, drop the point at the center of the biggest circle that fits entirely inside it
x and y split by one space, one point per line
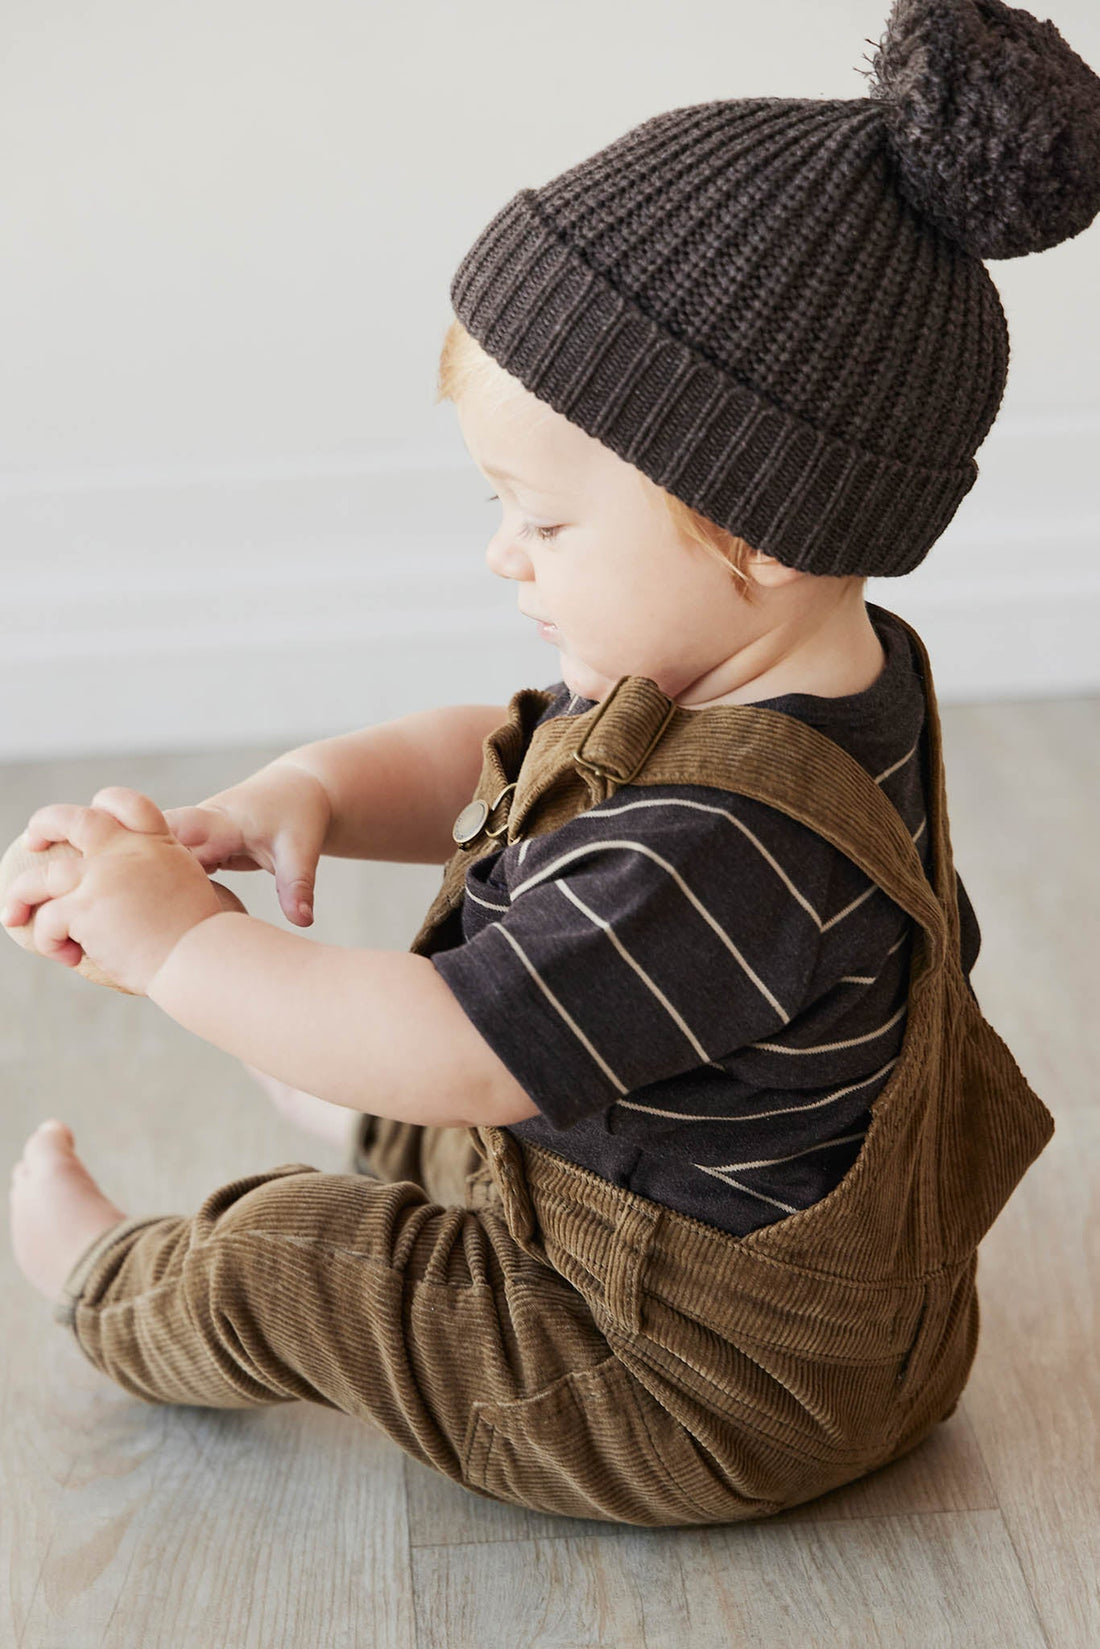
736 299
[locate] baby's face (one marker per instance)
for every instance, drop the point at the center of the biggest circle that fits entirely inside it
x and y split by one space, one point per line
588 542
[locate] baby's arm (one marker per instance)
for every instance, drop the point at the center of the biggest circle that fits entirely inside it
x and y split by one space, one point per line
377 1031
396 788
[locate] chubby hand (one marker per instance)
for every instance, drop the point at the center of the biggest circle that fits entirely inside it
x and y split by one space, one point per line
125 902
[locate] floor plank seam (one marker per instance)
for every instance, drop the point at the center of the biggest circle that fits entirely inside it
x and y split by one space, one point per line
619 1529
1032 1599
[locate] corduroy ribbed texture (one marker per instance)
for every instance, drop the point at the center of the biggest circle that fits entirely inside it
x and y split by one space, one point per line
551 1339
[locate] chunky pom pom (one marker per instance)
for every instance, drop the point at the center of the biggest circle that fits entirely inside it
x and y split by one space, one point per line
994 123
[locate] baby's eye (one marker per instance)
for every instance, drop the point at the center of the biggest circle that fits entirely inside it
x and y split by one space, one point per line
527 530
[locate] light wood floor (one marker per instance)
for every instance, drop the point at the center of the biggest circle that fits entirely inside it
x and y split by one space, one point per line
126 1526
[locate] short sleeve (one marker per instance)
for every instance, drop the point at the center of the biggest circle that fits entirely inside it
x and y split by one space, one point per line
661 930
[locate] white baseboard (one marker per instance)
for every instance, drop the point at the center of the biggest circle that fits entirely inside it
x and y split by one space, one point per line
170 612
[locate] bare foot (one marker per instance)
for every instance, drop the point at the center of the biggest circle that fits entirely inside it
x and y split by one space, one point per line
56 1208
334 1123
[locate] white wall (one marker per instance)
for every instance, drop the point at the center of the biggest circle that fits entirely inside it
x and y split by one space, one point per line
230 508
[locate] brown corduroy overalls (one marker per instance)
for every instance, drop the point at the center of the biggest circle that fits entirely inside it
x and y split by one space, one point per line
548 1338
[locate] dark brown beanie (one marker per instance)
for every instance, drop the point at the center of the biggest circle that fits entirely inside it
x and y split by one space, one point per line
776 308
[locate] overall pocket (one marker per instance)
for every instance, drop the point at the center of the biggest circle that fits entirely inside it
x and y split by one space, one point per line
595 1444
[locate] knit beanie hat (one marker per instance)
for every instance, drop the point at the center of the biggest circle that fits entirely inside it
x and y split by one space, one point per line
777 309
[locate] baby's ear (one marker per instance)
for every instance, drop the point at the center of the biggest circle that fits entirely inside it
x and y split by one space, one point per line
765 569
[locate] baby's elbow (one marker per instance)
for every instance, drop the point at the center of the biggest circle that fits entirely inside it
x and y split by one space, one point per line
479 1089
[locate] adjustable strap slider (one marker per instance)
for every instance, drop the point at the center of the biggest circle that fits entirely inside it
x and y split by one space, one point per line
641 722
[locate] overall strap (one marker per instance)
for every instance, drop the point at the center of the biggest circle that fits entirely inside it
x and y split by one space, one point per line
638 735
943 858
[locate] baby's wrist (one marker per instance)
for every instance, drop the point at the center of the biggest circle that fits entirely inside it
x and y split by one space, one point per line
179 963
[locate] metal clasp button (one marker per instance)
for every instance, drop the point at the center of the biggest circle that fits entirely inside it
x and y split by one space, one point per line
471 821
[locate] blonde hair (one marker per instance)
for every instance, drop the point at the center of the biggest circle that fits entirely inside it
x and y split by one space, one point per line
465 365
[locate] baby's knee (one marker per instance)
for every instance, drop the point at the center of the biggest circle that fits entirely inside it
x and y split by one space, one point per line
271 1202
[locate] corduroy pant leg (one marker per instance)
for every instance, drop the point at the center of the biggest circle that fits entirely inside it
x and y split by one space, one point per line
439 1159
430 1321
386 1150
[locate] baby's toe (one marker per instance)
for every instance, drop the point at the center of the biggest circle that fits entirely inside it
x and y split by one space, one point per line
50 1140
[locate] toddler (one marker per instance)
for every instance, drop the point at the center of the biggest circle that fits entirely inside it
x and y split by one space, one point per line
677 1128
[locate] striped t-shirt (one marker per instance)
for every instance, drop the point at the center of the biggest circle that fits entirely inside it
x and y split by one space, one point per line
701 995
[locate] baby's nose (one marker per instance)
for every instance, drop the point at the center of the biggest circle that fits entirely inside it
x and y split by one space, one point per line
507 560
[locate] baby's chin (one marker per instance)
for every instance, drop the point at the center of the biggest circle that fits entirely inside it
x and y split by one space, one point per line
585 683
